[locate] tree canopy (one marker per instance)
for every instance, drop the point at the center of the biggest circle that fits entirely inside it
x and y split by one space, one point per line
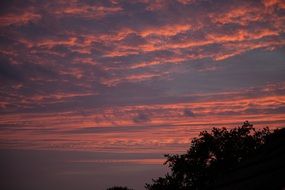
210 155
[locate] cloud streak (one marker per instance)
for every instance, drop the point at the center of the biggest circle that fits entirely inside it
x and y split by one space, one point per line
137 75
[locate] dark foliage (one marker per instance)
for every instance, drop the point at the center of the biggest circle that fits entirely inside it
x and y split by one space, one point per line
209 156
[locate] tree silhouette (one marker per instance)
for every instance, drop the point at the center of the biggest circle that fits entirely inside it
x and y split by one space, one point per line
210 155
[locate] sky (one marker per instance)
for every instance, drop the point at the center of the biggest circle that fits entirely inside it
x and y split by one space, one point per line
93 93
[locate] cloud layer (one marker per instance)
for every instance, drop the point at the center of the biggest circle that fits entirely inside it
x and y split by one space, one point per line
137 76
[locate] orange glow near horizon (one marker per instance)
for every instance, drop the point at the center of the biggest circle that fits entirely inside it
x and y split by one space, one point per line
142 76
